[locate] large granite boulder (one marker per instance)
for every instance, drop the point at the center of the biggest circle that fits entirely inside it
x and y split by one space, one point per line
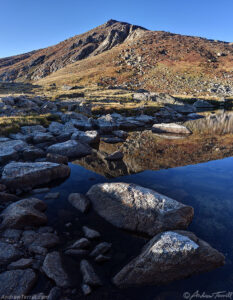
26 212
28 174
17 282
71 149
169 256
9 150
139 209
170 128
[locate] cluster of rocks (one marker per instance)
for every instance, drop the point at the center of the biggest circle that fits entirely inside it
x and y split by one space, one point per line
25 241
22 105
37 155
171 253
28 246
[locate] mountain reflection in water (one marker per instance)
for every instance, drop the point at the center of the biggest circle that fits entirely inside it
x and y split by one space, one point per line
143 150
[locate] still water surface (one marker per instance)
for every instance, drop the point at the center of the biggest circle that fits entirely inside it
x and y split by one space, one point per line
208 187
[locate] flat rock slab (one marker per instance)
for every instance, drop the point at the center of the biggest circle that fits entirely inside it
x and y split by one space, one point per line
19 174
170 128
26 212
9 150
169 256
71 149
17 282
53 268
138 209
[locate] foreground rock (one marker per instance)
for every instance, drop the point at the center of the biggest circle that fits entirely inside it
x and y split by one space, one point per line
170 128
19 174
139 209
53 268
26 212
71 149
17 282
169 256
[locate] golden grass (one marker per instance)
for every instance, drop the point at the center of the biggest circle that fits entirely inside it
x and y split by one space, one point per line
12 124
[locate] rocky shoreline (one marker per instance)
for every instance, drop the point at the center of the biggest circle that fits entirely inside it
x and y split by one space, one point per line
36 156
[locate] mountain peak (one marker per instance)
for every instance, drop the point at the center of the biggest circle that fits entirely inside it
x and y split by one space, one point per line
111 22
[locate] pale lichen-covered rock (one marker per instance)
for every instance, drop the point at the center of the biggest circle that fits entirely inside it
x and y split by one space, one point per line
27 174
170 128
86 137
169 256
138 209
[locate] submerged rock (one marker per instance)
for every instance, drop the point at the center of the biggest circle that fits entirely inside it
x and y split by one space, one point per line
169 256
89 275
139 209
79 201
52 195
90 233
170 128
26 212
86 289
53 268
101 249
19 174
17 282
80 244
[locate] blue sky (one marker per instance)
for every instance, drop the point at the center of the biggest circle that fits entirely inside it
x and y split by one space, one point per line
27 25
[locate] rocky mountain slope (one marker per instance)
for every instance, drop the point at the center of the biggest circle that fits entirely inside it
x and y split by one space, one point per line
38 64
120 54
